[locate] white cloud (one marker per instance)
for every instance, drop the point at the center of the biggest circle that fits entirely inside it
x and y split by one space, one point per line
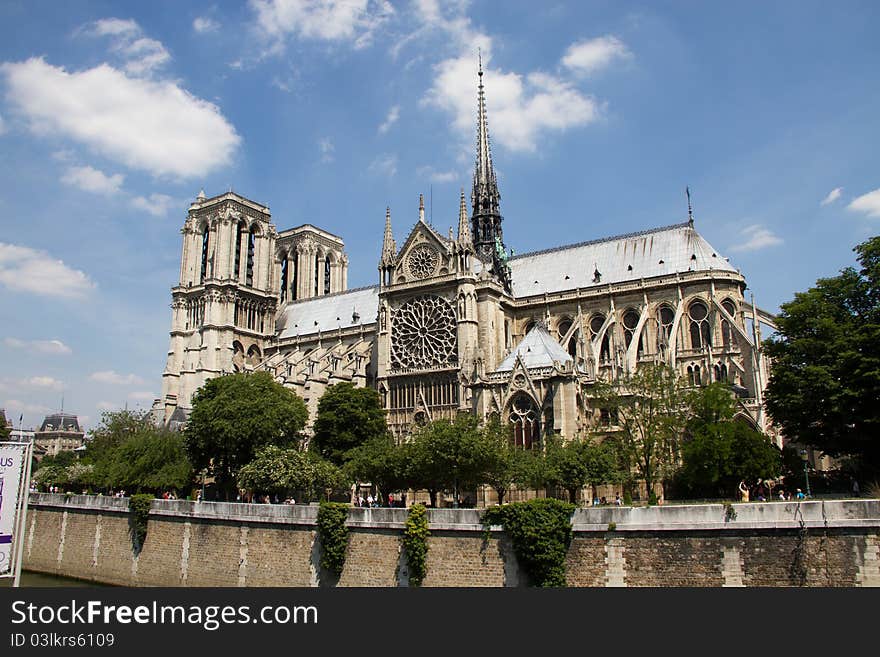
390 120
90 179
868 203
204 24
106 406
144 55
592 55
140 55
756 237
55 347
352 21
24 407
327 149
115 27
2 126
157 205
43 382
23 269
142 395
437 176
384 165
111 377
833 195
155 126
520 108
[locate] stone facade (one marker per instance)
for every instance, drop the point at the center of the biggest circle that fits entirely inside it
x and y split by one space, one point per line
457 322
216 544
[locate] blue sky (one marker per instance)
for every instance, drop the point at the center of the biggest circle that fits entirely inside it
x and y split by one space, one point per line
114 114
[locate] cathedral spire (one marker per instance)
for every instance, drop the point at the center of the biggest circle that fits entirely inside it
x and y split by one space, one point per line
422 208
485 198
389 247
464 229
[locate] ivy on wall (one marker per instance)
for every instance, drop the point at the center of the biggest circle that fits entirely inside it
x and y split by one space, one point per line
541 533
415 542
333 535
139 506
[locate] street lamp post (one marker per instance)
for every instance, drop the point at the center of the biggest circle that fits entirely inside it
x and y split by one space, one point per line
806 460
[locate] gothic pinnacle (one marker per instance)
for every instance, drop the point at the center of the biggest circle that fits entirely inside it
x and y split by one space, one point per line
389 248
464 230
422 208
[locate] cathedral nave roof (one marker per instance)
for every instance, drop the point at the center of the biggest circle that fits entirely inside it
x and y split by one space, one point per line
656 252
330 312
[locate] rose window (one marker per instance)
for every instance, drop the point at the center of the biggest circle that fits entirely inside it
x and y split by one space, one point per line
424 333
422 261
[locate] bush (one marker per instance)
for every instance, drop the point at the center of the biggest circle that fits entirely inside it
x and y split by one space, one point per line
333 535
541 533
139 505
415 542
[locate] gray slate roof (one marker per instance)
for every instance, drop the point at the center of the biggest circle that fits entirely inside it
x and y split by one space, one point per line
537 349
656 252
329 312
60 422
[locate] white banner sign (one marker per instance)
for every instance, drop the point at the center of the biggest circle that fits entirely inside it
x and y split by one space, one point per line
11 461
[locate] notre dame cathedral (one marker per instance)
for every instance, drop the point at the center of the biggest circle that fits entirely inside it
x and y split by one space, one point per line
456 323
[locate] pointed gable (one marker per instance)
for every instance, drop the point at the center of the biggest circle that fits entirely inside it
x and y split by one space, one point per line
536 349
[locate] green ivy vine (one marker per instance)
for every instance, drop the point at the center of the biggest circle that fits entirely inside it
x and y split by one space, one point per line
415 542
333 534
541 533
139 506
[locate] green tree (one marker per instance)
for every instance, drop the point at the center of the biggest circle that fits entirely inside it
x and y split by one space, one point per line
574 464
5 432
347 417
235 415
506 464
651 408
280 470
380 462
719 456
114 428
446 455
825 380
720 451
153 459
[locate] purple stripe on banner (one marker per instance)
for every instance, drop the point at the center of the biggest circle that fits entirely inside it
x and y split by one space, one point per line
5 539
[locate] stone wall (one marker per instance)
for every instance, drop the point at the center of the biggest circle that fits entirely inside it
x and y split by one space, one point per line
816 543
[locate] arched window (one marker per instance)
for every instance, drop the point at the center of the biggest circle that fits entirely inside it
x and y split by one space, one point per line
237 357
529 326
236 271
524 417
294 278
665 318
205 236
694 377
317 262
726 330
254 356
249 275
283 277
630 323
327 275
596 324
701 335
561 331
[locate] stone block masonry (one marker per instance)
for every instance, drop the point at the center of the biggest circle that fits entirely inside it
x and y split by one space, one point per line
816 543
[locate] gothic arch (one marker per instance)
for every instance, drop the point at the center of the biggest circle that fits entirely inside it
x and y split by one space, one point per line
699 327
524 414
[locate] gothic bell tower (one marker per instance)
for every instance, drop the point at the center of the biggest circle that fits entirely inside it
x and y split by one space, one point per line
223 307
